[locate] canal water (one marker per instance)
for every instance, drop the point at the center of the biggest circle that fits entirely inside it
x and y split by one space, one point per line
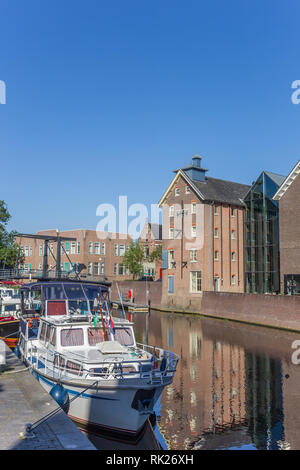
235 386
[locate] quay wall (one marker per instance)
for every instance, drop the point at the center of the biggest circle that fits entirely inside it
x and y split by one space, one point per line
277 311
139 291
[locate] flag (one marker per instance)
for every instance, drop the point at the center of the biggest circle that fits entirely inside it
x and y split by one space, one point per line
96 319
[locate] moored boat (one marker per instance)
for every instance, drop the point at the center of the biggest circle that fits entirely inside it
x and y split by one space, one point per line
88 360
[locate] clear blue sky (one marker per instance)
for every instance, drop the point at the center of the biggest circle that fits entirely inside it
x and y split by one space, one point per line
106 98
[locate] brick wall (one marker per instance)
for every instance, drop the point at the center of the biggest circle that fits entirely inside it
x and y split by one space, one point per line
289 222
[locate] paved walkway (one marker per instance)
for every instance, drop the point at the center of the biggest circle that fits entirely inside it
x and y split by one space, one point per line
22 401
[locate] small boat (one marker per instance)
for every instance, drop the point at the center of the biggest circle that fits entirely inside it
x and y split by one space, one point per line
10 309
89 361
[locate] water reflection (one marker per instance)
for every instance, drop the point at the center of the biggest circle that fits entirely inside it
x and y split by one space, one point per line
235 385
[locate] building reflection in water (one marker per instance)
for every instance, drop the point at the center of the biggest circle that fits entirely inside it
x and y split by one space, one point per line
231 386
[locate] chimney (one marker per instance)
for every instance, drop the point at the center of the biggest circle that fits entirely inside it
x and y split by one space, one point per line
195 171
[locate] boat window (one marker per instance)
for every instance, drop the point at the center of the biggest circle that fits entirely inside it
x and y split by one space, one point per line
56 307
36 294
73 368
72 337
10 308
54 292
78 306
92 292
43 330
47 337
95 336
53 337
124 336
59 361
74 292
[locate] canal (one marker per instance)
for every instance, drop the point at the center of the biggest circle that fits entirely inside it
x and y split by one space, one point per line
235 386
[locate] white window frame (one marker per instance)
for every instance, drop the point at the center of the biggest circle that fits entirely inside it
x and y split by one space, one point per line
193 255
195 280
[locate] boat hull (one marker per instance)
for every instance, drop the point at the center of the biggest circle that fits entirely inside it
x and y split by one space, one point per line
106 408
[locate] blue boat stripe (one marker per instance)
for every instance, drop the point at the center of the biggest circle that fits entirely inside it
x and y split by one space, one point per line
71 392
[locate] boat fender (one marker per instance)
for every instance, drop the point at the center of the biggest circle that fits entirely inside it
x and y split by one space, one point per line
60 395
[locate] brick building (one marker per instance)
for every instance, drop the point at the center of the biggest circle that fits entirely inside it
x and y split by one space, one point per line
203 233
288 196
94 254
150 239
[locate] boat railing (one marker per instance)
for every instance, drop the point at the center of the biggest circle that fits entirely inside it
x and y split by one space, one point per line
161 366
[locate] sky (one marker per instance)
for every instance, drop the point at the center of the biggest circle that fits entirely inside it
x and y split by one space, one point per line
107 98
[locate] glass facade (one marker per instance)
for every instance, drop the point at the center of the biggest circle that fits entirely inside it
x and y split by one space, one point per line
262 237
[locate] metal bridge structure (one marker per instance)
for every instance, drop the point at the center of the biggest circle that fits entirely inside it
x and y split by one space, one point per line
18 272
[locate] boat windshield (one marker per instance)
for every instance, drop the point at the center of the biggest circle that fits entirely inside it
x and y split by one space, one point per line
54 292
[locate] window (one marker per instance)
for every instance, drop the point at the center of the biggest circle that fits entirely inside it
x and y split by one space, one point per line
30 250
216 233
177 192
233 256
170 284
67 247
95 336
216 211
102 268
124 336
171 233
72 337
193 256
121 270
90 248
193 208
122 250
115 269
232 212
51 248
193 231
116 250
187 190
26 250
195 281
73 248
90 268
41 250
233 280
233 234
97 248
96 269
216 255
78 248
171 211
170 259
146 252
73 368
103 249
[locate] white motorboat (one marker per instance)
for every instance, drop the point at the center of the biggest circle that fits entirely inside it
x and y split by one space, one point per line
87 360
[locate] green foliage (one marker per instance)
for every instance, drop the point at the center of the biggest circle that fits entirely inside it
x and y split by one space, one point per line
133 259
156 254
9 250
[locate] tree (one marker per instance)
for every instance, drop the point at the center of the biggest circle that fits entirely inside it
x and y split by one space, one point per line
133 259
156 254
9 250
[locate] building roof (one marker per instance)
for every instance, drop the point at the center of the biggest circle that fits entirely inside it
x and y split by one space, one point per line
286 183
278 179
229 192
213 189
156 230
